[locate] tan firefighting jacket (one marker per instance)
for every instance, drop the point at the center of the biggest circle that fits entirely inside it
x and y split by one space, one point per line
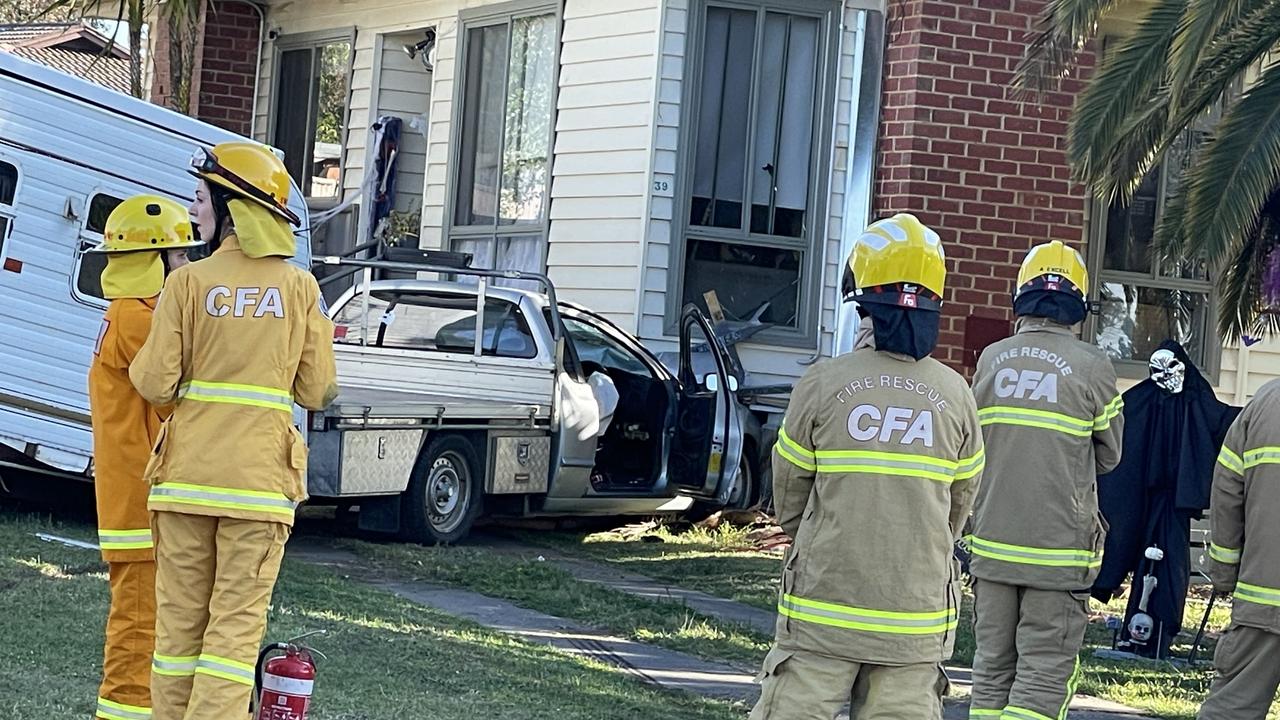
236 341
873 475
1244 518
125 427
1052 420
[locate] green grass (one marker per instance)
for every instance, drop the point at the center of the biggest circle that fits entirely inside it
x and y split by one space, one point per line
386 657
544 587
719 562
722 562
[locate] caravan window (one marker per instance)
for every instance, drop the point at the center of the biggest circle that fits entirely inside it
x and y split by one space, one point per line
8 188
436 321
91 265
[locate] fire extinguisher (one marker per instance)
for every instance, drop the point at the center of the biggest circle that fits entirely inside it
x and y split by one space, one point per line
284 682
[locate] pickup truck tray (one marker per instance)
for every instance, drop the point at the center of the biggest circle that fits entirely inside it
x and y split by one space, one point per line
359 402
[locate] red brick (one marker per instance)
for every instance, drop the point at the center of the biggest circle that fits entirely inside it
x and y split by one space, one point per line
973 45
1018 154
963 163
998 137
991 32
1002 197
976 15
965 134
956 27
952 87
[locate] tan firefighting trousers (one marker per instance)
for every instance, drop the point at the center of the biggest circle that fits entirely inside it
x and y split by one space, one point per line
213 583
1027 663
1248 675
807 686
125 693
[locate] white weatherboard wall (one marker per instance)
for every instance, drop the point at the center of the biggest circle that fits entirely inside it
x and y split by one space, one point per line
402 88
604 136
765 363
604 116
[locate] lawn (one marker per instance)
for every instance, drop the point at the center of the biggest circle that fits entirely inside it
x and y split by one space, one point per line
386 657
722 562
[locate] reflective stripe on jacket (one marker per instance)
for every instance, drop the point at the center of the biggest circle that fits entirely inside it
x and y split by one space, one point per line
874 473
235 343
1246 493
125 428
1053 421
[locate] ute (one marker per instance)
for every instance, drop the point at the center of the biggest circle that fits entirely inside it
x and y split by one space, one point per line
479 393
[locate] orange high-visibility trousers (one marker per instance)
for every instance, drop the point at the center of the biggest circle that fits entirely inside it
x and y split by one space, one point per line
125 693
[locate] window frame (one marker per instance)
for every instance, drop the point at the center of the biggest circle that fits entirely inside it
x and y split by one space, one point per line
85 238
813 248
488 16
1096 251
9 210
313 40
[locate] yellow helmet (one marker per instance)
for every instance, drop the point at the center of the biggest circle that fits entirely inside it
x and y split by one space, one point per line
248 170
147 223
897 261
1056 267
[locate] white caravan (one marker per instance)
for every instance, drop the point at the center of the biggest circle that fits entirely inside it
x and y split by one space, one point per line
69 151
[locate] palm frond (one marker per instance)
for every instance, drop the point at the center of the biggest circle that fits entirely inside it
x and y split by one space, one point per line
1126 83
1203 21
1234 174
1238 283
1062 30
1134 151
1171 236
1146 137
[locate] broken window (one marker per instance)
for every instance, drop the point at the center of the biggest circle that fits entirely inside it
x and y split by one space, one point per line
756 171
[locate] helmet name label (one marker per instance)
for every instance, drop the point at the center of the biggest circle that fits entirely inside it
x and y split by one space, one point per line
1026 385
892 424
222 301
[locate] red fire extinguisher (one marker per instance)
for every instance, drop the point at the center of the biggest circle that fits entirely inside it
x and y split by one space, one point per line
285 682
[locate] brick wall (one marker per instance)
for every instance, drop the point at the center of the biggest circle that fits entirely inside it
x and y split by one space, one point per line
228 66
988 172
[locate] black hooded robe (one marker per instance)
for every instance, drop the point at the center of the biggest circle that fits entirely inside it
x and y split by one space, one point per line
1171 442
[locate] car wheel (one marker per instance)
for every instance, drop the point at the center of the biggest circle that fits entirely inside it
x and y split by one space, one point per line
445 495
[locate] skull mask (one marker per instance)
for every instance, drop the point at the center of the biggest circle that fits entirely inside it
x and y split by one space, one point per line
1167 371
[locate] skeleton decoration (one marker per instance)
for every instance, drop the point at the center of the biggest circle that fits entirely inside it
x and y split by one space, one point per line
1167 371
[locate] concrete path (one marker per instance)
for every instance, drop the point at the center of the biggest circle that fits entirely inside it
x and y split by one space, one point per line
654 665
758 619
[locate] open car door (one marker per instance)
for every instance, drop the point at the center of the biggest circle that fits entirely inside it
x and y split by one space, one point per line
706 450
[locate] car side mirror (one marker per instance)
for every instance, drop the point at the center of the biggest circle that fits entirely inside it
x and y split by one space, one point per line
711 382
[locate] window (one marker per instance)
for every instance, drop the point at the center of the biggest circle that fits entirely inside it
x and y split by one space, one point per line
8 189
593 345
312 87
1145 298
91 265
755 171
503 131
436 322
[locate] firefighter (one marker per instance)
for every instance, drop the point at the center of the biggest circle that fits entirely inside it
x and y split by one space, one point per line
238 338
874 473
1246 493
1051 418
143 237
